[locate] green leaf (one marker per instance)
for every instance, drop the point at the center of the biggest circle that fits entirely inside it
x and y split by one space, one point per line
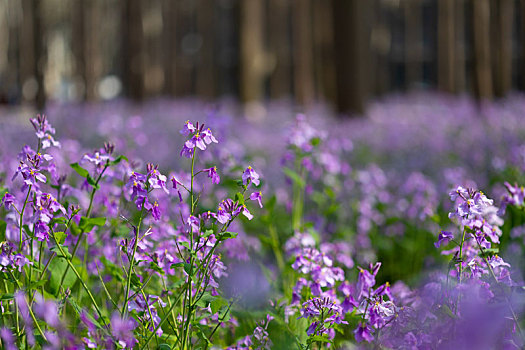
7 296
75 230
59 253
217 304
60 237
80 171
38 284
57 267
318 338
87 224
3 226
239 198
92 182
163 347
296 178
226 235
118 160
207 233
206 299
135 281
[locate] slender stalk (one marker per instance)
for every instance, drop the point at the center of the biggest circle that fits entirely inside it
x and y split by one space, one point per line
189 304
160 323
70 264
22 218
81 235
132 262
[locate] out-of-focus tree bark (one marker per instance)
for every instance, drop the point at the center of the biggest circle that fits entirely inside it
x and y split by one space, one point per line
78 40
446 46
32 53
93 62
413 42
323 30
206 67
279 46
352 52
483 75
303 51
503 53
132 56
460 75
252 50
169 31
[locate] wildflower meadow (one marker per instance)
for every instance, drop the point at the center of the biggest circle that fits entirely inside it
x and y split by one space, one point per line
183 225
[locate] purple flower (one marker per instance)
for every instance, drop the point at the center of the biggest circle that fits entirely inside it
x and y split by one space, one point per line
257 196
188 128
7 200
194 223
8 340
122 331
96 158
246 212
208 137
362 332
249 175
155 210
212 173
444 238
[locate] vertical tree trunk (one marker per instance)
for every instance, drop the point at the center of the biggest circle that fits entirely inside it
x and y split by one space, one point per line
206 68
503 42
413 42
460 74
131 54
93 62
446 46
78 44
169 15
251 41
481 31
352 52
279 42
324 51
303 52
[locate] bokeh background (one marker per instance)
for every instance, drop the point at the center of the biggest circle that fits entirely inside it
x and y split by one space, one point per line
343 53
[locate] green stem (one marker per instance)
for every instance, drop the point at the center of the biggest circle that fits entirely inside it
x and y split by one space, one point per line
22 218
189 303
70 264
81 235
166 316
132 262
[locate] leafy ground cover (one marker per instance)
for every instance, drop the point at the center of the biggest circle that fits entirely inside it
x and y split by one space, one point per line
176 225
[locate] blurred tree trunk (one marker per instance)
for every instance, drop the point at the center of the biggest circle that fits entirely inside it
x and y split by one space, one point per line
380 49
78 43
481 33
352 46
252 55
279 42
446 46
303 51
460 75
40 53
32 53
93 62
132 56
185 35
169 14
503 53
206 68
324 51
413 42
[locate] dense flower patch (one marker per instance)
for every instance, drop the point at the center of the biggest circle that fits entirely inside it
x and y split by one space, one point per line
222 233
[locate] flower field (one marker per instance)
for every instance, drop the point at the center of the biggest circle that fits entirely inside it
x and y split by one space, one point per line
179 225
